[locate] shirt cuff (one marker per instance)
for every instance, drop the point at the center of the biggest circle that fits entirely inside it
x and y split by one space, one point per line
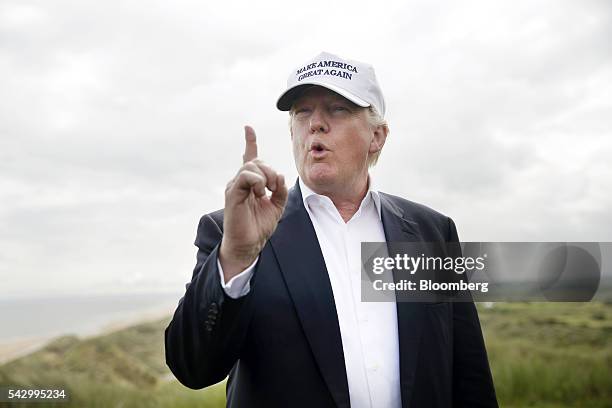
239 285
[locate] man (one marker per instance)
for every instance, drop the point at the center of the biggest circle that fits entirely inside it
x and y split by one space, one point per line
275 301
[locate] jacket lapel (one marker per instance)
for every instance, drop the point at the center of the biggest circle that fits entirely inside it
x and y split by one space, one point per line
299 255
301 261
399 228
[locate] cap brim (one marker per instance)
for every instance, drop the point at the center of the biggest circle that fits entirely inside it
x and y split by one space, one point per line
286 100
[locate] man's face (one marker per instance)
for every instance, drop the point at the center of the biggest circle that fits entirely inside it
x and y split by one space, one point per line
331 140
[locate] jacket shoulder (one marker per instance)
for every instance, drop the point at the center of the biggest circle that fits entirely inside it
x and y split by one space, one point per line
414 209
215 217
210 229
428 219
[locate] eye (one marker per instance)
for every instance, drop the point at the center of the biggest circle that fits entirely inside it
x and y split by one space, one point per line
301 111
339 108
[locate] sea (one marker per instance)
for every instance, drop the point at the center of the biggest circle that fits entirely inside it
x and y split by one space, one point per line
81 315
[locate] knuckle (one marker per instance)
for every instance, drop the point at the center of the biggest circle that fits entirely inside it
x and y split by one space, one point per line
258 170
241 177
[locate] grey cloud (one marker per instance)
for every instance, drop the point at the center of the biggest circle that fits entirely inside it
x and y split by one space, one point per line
120 124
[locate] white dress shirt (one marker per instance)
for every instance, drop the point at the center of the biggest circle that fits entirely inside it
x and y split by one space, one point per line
368 329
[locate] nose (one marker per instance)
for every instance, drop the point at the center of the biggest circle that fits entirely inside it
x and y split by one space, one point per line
318 122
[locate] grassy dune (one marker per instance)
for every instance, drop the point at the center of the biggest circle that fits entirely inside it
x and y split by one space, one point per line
550 354
122 369
542 355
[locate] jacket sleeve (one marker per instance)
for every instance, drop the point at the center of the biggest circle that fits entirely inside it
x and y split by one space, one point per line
206 333
472 380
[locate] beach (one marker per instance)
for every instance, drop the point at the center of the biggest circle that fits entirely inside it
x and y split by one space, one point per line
29 324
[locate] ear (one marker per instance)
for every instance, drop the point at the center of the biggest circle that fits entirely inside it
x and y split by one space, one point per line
379 139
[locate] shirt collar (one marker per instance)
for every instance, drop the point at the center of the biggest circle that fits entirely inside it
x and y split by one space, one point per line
372 192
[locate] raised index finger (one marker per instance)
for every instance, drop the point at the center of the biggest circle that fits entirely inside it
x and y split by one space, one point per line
250 147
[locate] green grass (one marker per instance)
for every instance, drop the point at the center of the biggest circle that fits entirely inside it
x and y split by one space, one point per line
122 369
545 355
550 354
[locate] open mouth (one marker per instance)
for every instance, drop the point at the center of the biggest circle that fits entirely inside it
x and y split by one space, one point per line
317 147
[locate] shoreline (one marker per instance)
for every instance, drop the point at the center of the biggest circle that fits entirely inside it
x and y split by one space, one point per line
14 348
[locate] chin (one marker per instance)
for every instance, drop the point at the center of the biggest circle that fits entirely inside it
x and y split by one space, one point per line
321 174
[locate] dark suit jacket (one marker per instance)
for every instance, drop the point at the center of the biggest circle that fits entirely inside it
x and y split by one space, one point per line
281 345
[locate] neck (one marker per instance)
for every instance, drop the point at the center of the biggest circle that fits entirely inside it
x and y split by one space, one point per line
346 199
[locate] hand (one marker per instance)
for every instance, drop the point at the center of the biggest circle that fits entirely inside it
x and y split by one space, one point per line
250 216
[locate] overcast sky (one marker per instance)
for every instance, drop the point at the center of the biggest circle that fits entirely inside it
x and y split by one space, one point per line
121 122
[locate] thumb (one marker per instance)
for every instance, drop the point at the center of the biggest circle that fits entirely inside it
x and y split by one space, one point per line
279 196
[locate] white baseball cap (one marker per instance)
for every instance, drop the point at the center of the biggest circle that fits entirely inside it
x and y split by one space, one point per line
354 80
